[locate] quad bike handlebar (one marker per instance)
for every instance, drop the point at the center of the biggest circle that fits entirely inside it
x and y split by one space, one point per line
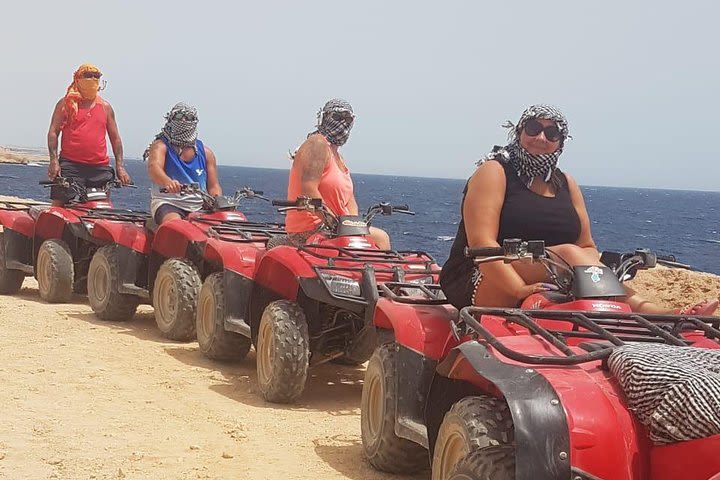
330 220
219 202
624 265
82 192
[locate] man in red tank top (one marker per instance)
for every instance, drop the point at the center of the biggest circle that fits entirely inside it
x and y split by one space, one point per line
319 171
82 119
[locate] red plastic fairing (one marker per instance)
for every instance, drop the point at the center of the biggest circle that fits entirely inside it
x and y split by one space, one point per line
692 460
238 257
279 270
605 439
422 328
126 234
18 221
51 222
172 238
351 242
230 216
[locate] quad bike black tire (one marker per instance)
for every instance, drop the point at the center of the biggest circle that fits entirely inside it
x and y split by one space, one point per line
489 463
10 280
175 294
55 271
215 342
283 352
472 423
103 282
383 448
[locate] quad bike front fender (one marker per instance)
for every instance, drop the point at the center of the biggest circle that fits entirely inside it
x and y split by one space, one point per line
541 432
238 257
424 329
129 235
51 224
568 419
18 221
173 238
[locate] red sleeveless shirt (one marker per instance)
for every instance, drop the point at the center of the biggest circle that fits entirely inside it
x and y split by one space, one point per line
83 137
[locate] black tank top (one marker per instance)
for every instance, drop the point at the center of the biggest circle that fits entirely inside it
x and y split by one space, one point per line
524 215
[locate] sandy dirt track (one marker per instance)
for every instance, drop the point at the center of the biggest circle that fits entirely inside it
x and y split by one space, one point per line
86 399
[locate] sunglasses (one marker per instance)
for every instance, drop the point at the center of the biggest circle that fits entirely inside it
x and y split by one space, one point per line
91 75
342 116
533 129
189 117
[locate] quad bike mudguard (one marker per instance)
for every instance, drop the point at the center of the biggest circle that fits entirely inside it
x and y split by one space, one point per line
17 220
541 429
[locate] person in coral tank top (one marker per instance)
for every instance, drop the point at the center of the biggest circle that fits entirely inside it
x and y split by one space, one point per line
82 120
319 171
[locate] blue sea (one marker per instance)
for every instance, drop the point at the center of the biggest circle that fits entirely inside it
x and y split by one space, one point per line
682 223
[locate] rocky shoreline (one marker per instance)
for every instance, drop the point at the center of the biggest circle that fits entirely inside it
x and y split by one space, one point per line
24 156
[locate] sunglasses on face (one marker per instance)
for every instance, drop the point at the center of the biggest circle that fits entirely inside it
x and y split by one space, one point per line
533 129
91 75
189 117
342 116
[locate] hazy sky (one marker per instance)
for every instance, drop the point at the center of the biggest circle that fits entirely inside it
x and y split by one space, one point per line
431 82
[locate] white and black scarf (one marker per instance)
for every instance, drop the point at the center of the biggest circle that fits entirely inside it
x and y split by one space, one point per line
336 131
527 165
179 132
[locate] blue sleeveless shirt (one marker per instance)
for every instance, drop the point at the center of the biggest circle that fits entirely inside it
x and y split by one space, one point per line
194 171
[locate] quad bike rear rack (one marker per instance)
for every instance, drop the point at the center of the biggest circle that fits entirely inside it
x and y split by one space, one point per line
605 330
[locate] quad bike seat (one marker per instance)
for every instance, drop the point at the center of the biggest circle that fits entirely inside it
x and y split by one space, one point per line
674 391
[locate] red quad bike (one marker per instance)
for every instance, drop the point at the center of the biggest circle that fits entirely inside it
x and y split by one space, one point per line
313 304
56 243
16 236
523 393
166 265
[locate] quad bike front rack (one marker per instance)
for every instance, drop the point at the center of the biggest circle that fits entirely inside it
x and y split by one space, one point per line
414 293
604 330
363 262
116 214
20 205
242 231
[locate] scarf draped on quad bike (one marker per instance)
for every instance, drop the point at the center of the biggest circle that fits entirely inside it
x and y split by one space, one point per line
674 391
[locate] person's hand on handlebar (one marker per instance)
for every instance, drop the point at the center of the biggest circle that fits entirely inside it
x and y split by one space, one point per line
527 290
53 169
172 186
123 176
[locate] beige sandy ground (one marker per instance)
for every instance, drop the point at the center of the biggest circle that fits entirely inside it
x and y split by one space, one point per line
82 398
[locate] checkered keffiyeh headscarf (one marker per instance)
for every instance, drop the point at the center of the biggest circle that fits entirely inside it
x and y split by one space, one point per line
336 131
180 128
526 165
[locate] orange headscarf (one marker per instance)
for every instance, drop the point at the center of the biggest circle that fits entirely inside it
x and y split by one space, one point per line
81 88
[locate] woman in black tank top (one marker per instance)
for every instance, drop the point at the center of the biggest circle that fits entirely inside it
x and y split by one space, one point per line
517 191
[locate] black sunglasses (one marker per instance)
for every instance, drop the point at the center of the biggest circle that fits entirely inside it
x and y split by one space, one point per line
183 116
533 129
342 116
91 75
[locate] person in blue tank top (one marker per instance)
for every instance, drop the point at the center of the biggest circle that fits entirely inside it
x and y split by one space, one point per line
177 157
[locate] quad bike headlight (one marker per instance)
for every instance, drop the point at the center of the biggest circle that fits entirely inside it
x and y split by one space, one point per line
342 285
